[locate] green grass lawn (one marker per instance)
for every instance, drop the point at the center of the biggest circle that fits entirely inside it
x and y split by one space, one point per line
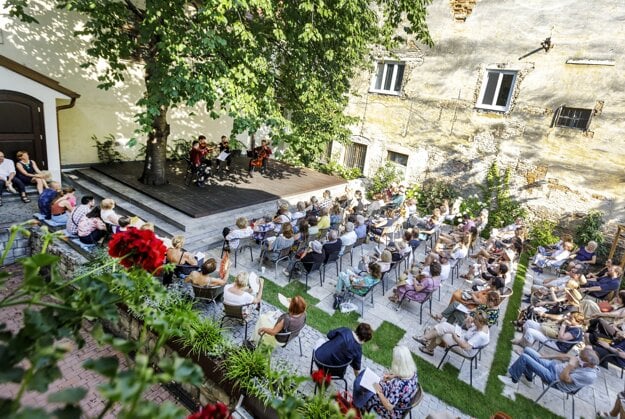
444 383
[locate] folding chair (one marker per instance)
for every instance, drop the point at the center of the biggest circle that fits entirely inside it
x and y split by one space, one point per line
556 385
236 313
314 267
347 250
472 358
407 296
332 258
244 243
337 372
208 294
414 402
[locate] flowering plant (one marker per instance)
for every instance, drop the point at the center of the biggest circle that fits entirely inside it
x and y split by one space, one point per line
212 411
321 378
138 248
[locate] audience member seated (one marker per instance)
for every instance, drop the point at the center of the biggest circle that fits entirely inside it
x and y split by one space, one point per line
603 286
91 228
614 347
556 260
313 208
573 274
615 309
9 179
360 227
585 255
86 204
394 393
28 172
323 223
569 331
332 245
573 372
458 251
240 292
343 347
311 255
274 245
463 229
242 230
469 339
271 323
300 213
61 206
336 216
417 286
178 256
348 238
109 216
326 200
264 227
456 313
46 197
313 229
282 217
353 281
203 277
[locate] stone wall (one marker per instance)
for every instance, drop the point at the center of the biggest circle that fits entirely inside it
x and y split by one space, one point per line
21 246
434 120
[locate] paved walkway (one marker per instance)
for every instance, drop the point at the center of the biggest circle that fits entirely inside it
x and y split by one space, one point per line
73 374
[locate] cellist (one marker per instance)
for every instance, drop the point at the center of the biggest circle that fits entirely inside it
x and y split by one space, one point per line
261 155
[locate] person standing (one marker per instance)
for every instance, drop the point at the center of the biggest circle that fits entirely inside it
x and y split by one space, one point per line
344 346
9 181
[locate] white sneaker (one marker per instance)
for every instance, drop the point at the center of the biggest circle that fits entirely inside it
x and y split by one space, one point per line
506 380
526 382
11 189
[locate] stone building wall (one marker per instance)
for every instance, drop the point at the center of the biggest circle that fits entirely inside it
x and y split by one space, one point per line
434 119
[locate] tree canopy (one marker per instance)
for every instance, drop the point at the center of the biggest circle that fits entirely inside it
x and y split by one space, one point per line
282 64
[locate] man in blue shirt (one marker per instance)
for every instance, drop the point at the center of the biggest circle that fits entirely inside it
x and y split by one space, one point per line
344 347
604 285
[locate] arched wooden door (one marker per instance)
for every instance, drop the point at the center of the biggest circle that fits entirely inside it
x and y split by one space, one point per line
21 127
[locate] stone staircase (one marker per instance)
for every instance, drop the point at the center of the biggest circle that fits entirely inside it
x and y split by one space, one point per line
200 234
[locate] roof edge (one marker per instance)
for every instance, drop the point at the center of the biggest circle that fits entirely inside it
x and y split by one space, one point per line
36 76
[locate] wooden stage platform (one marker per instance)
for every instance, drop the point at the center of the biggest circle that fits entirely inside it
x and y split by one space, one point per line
224 191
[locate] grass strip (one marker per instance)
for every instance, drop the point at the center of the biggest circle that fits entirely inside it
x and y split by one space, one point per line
379 349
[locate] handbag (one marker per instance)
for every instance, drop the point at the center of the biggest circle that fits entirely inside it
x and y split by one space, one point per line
605 306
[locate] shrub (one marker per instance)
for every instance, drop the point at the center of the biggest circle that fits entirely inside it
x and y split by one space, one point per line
106 149
179 149
541 234
503 208
590 229
431 194
335 169
472 205
383 177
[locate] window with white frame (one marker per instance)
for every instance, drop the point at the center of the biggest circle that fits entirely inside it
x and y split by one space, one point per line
388 77
497 88
573 117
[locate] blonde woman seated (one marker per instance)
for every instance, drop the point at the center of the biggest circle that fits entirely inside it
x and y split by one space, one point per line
459 251
203 277
177 255
240 292
351 280
384 260
109 216
242 230
469 341
271 323
394 391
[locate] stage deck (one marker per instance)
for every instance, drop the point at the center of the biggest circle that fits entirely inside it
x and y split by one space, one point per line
224 191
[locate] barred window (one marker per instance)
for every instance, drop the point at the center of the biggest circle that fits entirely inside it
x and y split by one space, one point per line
398 158
572 118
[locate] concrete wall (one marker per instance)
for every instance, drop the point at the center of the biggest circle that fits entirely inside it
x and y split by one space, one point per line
434 120
51 49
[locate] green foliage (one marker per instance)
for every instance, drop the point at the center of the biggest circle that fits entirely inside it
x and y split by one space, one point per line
286 65
382 178
106 149
503 208
472 205
591 229
431 194
336 169
202 336
541 233
178 150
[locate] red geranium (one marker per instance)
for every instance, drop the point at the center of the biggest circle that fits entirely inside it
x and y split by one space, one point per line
138 248
321 378
212 411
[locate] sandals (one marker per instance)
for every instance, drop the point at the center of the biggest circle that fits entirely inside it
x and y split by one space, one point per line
425 351
422 340
25 199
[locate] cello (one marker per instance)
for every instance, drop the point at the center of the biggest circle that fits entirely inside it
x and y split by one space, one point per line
260 155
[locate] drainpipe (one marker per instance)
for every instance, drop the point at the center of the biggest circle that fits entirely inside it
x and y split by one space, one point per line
59 108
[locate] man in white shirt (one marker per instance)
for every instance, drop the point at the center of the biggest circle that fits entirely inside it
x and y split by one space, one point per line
8 179
349 237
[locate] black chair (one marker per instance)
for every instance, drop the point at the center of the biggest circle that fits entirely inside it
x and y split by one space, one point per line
407 296
337 372
472 359
283 254
283 339
191 171
332 258
237 313
556 385
208 294
244 243
314 267
612 358
359 243
414 402
574 344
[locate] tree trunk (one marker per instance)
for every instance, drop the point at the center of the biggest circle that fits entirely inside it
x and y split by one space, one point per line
156 152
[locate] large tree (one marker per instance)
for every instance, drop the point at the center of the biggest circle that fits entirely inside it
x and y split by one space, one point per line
286 64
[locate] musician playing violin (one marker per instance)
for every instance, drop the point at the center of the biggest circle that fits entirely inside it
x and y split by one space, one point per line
261 155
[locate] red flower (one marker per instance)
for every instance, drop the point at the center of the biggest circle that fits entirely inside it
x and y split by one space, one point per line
321 378
212 411
138 248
